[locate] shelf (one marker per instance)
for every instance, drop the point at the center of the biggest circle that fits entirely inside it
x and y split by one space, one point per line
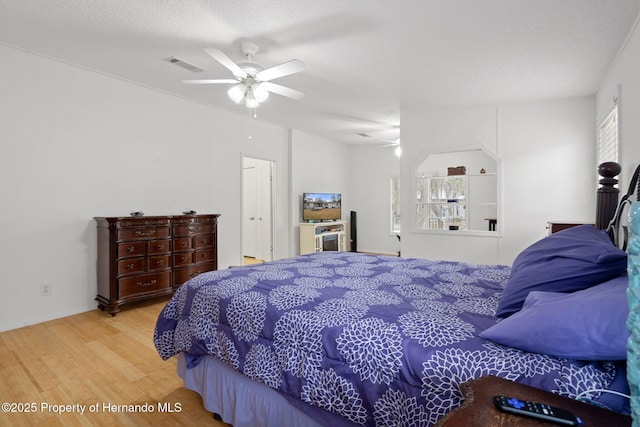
314 237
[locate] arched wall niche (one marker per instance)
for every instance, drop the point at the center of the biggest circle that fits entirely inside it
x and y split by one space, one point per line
457 192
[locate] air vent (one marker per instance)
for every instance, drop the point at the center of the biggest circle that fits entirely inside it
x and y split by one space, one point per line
184 64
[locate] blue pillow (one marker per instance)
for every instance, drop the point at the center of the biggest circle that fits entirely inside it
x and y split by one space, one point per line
585 325
572 259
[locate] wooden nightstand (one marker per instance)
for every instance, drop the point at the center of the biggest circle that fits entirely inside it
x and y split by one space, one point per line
478 410
555 226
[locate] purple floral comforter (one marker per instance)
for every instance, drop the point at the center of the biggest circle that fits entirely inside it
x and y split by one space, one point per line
378 340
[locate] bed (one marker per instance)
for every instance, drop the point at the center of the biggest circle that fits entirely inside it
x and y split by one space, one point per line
344 339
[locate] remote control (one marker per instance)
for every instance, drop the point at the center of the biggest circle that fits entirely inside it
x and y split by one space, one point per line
536 410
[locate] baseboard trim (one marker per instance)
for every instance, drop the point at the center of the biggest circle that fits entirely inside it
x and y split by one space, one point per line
377 253
8 326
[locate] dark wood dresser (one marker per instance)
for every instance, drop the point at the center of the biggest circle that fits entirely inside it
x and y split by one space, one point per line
146 257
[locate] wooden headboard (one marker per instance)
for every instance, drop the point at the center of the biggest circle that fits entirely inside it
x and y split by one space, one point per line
611 213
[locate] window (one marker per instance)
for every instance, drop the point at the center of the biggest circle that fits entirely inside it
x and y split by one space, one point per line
395 205
608 136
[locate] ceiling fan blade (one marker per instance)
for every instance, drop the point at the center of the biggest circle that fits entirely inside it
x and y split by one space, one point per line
390 144
392 141
209 81
281 90
284 69
222 58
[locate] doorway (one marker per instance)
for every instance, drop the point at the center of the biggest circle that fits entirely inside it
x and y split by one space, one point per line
258 182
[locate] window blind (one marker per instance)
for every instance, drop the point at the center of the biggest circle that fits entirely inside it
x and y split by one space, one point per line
608 137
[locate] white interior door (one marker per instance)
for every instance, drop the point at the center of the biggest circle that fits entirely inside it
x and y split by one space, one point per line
257 203
250 235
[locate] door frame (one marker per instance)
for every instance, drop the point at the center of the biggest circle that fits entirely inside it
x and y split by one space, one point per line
271 202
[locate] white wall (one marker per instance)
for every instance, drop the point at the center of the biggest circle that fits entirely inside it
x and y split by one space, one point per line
624 73
317 165
371 169
549 168
548 171
77 144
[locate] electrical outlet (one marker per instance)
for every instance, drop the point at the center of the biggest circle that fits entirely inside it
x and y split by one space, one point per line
46 289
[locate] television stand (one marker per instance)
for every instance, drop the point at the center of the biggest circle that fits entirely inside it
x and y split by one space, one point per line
323 236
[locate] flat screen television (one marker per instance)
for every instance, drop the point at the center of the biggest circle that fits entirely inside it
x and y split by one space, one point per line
321 206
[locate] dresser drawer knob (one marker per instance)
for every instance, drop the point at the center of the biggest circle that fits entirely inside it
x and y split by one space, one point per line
160 247
184 244
194 229
159 263
145 284
129 266
145 233
131 249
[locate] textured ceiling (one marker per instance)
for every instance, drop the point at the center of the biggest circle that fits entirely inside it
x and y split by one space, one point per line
365 59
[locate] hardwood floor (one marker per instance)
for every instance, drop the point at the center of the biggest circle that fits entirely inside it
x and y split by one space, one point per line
250 260
94 359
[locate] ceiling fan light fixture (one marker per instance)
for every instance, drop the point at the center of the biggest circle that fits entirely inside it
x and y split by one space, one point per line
250 100
260 93
237 92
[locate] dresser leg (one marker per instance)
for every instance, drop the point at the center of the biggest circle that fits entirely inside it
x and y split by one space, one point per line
113 310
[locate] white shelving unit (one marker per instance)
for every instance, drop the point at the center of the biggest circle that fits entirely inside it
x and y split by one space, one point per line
462 202
443 203
323 236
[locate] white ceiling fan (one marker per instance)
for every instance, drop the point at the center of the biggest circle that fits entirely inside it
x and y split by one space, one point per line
394 143
251 81
391 143
388 142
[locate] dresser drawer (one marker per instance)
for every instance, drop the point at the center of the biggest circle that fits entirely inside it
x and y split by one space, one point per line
192 229
131 266
204 241
156 263
144 283
129 249
158 247
182 259
144 233
182 244
182 275
205 255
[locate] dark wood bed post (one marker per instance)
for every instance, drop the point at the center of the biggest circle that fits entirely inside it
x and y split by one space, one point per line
607 194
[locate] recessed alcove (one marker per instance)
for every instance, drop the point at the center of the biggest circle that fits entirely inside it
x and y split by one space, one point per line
458 192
